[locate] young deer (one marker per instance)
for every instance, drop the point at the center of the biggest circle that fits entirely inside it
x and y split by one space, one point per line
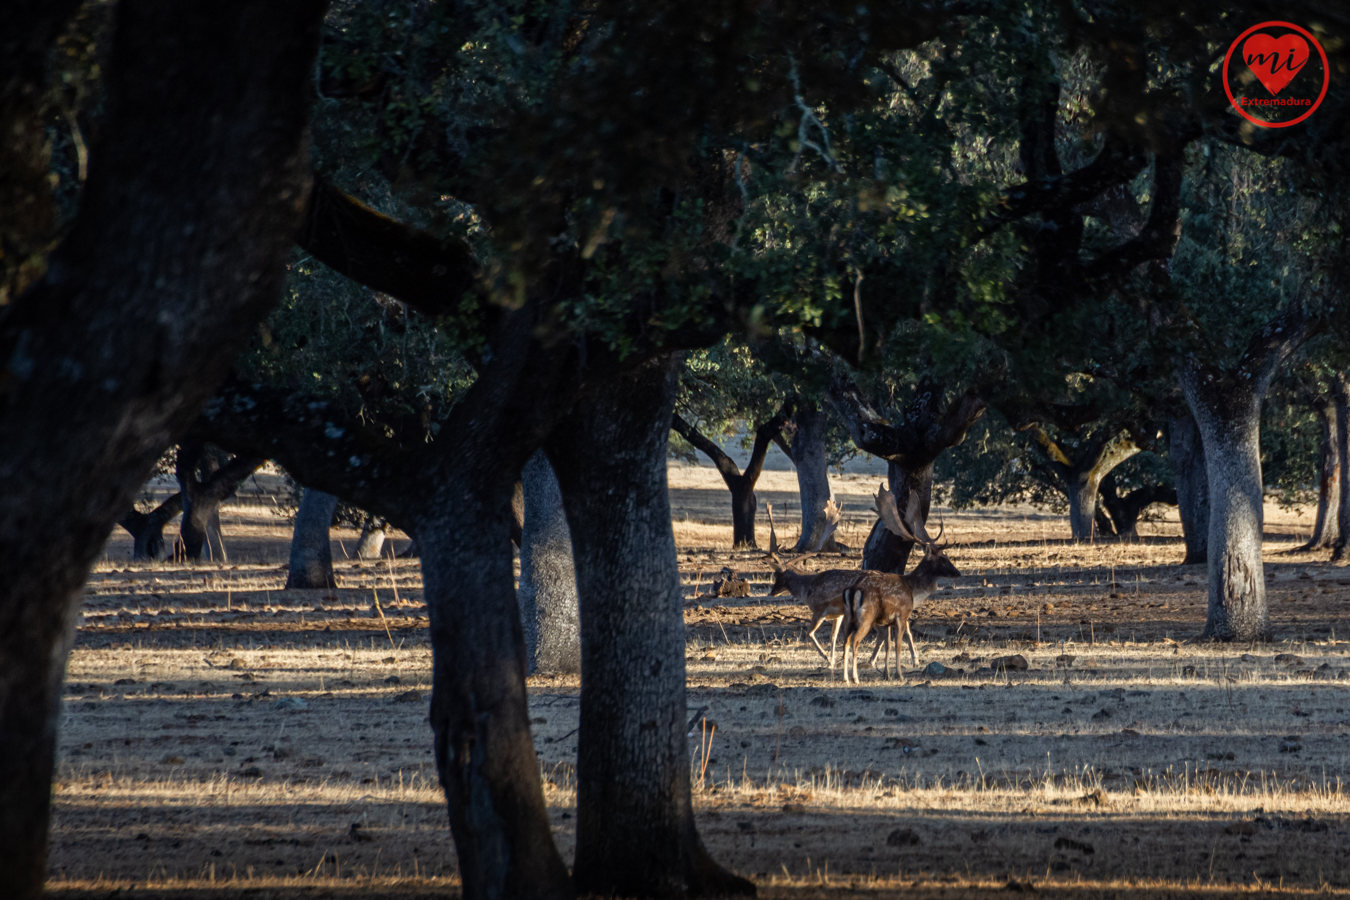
822 592
885 600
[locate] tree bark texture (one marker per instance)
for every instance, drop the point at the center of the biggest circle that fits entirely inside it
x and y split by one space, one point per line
548 581
807 452
147 529
1227 410
744 504
1188 471
1340 396
1080 479
194 191
636 835
311 566
1326 527
910 447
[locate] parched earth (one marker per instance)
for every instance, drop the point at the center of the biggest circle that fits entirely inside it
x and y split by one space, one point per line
219 728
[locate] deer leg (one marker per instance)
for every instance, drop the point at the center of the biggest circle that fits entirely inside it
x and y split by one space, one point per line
815 624
834 638
913 654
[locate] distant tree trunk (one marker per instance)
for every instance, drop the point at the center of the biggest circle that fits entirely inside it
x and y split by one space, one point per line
147 529
910 448
195 185
1188 471
1326 526
807 452
1341 397
744 504
203 485
548 582
311 550
373 533
636 835
1081 479
1124 509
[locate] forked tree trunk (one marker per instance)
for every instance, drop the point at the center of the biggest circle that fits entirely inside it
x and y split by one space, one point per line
741 484
1082 506
479 709
1230 429
548 582
147 529
807 452
311 566
1341 397
1192 480
371 542
913 490
1326 526
636 835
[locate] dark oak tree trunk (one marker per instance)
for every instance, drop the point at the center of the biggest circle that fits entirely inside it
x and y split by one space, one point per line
1187 451
195 187
204 484
910 447
807 452
147 529
311 565
1326 525
1124 509
636 835
548 582
913 490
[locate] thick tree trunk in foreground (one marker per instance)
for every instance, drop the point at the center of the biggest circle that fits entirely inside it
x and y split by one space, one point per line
1340 395
147 529
1188 471
548 582
194 193
371 542
1326 526
807 452
636 835
311 564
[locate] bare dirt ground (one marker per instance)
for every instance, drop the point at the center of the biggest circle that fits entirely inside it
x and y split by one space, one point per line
222 736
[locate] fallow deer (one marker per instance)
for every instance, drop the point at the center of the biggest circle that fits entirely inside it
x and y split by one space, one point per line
822 592
886 600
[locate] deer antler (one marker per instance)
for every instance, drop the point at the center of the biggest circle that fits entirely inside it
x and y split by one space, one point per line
890 515
941 528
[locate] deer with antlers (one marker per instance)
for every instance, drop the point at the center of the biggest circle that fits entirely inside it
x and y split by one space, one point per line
884 600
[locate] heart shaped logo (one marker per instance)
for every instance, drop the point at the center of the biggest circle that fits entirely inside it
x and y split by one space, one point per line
1275 61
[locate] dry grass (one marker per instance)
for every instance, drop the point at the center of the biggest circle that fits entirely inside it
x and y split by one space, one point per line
1172 760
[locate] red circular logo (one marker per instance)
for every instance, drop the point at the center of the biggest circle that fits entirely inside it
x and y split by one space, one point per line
1276 82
